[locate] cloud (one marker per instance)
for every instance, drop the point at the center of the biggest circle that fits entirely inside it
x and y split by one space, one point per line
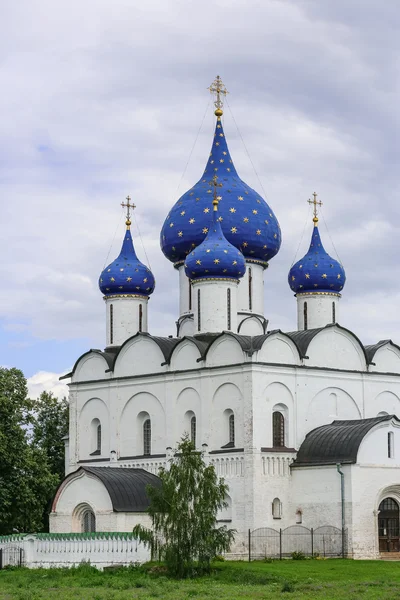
43 381
100 100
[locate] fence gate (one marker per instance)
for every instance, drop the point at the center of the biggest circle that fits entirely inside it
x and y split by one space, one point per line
12 556
267 542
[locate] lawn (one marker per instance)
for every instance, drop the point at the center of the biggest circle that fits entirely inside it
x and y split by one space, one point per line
308 579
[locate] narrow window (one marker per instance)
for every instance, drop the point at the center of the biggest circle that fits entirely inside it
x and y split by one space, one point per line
193 430
333 312
111 324
276 508
390 441
305 315
88 522
198 311
228 307
98 439
250 290
232 429
147 437
278 429
190 295
140 317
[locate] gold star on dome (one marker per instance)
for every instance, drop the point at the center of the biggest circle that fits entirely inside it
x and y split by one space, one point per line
258 201
129 279
216 261
316 265
198 262
183 213
191 193
122 268
191 221
112 279
220 219
108 270
173 248
219 197
265 247
171 224
145 280
255 212
233 230
232 210
234 262
228 169
224 153
245 220
107 289
120 287
240 197
217 143
205 230
338 276
206 210
208 250
324 276
258 232
275 235
307 276
300 266
209 191
315 284
293 278
180 233
221 160
211 162
245 244
266 222
221 135
226 251
225 270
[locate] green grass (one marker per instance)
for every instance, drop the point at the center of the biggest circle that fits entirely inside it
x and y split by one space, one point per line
310 579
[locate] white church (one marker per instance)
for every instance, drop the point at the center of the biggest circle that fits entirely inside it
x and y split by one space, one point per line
302 425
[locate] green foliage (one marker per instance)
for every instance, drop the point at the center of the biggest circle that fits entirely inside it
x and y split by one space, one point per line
183 513
298 555
287 586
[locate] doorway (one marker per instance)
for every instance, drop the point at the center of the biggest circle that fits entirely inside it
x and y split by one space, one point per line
388 525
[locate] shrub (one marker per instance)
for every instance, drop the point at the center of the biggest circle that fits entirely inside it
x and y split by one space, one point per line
287 586
298 555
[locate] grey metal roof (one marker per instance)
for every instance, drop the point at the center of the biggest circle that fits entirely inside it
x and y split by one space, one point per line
126 487
372 349
337 442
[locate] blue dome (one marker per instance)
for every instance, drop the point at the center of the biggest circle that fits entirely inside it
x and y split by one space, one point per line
126 275
215 257
246 219
317 271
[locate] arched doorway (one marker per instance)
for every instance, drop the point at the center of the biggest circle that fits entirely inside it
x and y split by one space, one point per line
388 524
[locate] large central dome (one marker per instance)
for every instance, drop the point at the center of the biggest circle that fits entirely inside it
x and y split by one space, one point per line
246 219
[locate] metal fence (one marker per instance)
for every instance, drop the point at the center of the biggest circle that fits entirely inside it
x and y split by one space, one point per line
326 541
11 556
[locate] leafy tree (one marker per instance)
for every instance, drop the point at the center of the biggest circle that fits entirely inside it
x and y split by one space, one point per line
183 513
49 426
25 477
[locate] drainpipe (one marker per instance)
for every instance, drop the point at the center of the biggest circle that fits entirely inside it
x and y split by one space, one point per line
338 467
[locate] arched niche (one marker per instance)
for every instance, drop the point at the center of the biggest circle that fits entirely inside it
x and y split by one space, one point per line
139 356
185 356
385 402
387 359
336 348
279 348
225 350
93 411
251 326
277 397
131 425
91 367
331 404
188 401
227 400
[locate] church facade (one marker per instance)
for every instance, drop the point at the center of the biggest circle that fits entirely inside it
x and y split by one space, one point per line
302 425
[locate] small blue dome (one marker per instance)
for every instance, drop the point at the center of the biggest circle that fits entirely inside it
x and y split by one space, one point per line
126 275
246 219
215 257
317 271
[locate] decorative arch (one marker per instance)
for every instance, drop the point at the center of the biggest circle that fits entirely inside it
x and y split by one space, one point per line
331 404
235 349
142 354
227 400
185 355
385 402
279 348
131 432
336 347
84 518
93 413
91 366
187 402
278 399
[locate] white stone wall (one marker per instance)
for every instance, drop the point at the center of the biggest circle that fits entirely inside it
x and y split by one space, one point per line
319 310
126 318
257 290
214 305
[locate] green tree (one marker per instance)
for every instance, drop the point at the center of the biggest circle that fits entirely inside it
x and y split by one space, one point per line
183 511
25 476
49 426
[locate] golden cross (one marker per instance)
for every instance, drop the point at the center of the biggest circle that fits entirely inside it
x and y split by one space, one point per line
128 207
215 185
218 88
316 203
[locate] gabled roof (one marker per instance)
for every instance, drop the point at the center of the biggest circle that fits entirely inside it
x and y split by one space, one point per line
337 442
126 487
373 348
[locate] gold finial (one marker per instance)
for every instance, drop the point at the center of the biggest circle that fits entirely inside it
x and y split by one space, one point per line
128 207
316 203
215 185
218 88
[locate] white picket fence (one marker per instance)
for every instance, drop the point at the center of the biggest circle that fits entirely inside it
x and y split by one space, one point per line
71 549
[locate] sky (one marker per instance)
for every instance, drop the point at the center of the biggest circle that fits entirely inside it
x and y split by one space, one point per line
103 99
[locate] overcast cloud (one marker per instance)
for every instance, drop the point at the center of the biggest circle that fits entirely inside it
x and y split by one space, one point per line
103 99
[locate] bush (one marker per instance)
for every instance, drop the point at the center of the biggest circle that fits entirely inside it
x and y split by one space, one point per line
287 586
298 555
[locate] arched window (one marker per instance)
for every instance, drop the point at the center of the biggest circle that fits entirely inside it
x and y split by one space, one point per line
305 315
232 429
228 307
140 317
390 441
111 324
278 429
198 311
147 437
193 430
96 437
250 289
88 522
388 526
333 312
276 508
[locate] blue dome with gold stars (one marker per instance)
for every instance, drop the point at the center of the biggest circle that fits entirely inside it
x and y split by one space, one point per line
246 219
215 257
126 275
317 271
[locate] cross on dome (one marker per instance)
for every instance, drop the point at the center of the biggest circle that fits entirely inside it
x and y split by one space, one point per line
215 184
128 207
316 203
217 87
